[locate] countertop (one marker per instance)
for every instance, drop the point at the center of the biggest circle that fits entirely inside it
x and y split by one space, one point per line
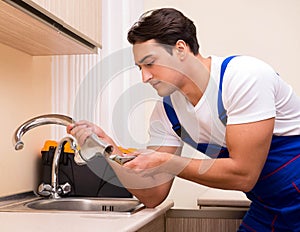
223 198
104 222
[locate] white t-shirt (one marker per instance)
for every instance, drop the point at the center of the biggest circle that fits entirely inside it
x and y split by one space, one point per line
252 91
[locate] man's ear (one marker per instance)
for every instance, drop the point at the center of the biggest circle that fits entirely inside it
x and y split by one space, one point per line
181 49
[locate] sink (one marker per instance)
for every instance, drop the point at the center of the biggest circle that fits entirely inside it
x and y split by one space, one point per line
86 205
77 204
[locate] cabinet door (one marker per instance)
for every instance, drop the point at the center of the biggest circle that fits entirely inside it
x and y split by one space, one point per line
202 224
83 15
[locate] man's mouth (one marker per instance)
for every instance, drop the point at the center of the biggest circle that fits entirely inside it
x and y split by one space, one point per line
154 84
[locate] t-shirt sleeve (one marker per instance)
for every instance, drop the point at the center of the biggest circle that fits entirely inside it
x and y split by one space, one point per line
160 129
249 87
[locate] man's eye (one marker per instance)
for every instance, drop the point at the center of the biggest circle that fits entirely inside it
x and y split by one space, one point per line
145 64
150 63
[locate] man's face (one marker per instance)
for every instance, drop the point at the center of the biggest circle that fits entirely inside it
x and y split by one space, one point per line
159 68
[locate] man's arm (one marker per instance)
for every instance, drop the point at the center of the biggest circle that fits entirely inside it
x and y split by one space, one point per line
153 196
248 146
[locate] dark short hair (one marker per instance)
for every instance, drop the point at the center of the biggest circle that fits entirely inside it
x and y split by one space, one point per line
165 26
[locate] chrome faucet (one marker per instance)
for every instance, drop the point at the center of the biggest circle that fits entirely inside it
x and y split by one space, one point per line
92 147
58 119
54 190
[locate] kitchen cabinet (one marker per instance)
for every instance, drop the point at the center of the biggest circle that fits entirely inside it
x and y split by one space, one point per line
157 225
214 214
26 26
206 220
84 16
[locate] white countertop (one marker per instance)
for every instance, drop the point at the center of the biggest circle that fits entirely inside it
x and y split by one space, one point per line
219 197
79 222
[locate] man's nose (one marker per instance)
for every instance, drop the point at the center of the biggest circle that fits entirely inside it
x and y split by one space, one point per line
146 75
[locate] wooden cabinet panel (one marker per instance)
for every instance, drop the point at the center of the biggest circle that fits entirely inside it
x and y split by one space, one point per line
33 30
157 225
204 220
202 224
84 16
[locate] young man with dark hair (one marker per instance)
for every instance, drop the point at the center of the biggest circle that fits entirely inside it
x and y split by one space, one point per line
237 110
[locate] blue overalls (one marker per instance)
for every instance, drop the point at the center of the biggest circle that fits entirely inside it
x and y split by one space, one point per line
275 198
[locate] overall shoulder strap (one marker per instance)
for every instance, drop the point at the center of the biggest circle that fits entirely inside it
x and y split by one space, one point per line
176 126
172 115
221 110
180 131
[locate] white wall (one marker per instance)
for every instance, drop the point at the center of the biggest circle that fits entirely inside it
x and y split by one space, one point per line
266 29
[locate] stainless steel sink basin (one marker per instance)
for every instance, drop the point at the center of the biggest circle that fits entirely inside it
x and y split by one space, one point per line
77 204
86 205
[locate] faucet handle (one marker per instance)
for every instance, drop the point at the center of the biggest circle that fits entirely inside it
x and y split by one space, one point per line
65 188
45 189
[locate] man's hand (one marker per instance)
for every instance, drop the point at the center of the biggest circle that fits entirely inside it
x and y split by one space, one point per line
83 129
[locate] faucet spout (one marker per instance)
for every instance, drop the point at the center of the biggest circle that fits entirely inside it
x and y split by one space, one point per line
39 121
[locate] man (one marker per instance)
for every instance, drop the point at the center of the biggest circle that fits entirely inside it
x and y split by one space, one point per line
257 142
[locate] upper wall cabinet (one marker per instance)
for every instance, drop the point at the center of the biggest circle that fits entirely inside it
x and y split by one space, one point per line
83 15
53 27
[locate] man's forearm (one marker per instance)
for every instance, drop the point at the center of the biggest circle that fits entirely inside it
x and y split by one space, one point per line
152 197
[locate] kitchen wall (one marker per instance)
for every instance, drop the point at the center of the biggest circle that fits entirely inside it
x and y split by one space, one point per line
266 29
25 88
